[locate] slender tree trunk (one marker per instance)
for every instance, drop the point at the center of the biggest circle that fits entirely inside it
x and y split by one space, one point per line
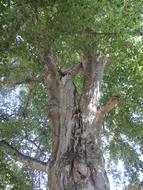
77 161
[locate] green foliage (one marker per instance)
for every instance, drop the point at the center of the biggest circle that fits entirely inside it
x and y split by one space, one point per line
14 177
69 26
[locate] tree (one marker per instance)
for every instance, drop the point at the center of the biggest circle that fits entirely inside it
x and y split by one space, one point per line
63 106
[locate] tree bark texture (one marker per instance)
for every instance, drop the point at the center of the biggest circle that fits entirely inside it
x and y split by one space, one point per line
77 161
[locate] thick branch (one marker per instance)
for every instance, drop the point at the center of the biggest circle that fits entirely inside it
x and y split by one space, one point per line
50 62
18 82
74 70
53 81
26 160
106 109
93 68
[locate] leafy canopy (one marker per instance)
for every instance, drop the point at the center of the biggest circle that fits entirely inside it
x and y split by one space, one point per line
106 27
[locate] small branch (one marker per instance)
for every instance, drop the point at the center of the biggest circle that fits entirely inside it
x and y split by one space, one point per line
26 160
106 109
33 142
50 64
110 105
89 33
38 147
18 82
27 100
74 70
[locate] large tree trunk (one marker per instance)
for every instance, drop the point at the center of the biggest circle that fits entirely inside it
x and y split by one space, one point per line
77 161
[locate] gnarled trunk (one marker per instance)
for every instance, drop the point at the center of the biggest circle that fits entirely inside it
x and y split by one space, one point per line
77 161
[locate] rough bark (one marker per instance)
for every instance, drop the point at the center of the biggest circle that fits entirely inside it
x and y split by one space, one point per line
77 161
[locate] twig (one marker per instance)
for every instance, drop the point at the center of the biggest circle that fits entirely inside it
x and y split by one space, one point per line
27 100
33 142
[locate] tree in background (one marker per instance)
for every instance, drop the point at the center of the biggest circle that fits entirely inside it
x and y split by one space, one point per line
74 70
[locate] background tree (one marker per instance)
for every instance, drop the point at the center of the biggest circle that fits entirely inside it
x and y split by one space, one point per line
61 38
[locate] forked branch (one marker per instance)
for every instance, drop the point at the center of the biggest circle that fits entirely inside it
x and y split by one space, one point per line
26 160
74 70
